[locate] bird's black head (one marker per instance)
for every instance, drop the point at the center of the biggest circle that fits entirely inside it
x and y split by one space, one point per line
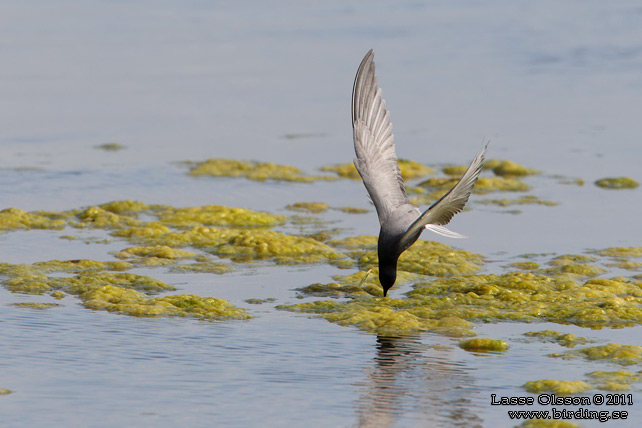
387 274
388 255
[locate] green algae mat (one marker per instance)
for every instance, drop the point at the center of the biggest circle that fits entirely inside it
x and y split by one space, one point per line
448 289
447 283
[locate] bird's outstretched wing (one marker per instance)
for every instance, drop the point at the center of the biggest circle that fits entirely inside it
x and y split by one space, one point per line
442 211
373 142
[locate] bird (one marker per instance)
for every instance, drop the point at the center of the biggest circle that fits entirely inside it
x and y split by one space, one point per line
376 161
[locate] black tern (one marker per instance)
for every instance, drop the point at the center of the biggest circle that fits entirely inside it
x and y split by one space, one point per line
401 223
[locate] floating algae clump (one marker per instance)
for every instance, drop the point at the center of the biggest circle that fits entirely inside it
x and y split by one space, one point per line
80 265
216 215
241 245
424 257
568 259
356 242
380 319
312 207
353 210
525 265
575 181
22 281
617 183
409 170
619 380
483 345
152 233
110 147
362 283
573 264
346 170
619 354
620 252
435 258
203 267
283 249
35 305
620 256
135 303
158 251
90 280
559 387
125 207
28 284
335 289
115 214
13 218
500 184
565 339
115 291
257 171
626 264
506 168
456 170
524 200
260 301
520 296
483 185
371 277
528 297
122 214
384 316
100 218
442 183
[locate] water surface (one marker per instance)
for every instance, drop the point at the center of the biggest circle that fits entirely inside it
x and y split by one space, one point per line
556 87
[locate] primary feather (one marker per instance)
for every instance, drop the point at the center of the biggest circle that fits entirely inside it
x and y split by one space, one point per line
373 143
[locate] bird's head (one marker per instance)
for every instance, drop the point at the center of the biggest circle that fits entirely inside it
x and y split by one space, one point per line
388 255
387 274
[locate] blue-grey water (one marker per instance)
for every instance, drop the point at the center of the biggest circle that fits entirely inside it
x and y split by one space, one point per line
556 86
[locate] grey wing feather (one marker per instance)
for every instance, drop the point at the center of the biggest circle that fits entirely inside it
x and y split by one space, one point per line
373 142
453 202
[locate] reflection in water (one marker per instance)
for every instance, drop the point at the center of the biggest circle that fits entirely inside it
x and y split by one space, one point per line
405 380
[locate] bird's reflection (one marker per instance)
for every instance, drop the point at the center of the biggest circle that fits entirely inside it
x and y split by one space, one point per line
413 382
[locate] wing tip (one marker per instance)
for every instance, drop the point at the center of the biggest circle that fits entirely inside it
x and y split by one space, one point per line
367 60
366 67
